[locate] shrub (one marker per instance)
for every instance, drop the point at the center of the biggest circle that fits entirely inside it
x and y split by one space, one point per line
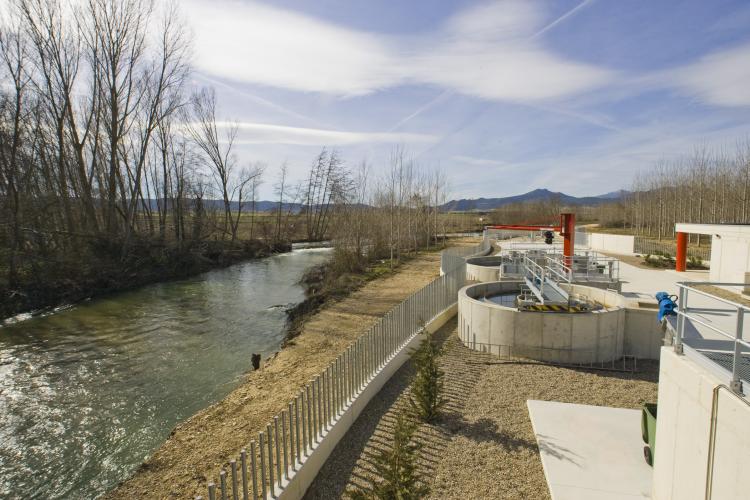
426 396
397 468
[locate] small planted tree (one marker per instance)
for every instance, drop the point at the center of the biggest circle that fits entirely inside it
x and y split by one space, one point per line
426 396
396 468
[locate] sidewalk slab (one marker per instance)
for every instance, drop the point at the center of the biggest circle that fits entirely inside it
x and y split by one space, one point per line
591 452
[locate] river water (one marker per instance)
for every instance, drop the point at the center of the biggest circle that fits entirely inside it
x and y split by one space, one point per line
89 392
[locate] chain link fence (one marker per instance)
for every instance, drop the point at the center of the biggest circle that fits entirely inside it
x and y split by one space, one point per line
647 246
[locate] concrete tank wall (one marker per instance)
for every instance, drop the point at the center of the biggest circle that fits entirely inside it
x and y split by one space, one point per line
483 268
592 337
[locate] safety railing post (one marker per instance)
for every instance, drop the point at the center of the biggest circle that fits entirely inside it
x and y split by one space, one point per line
243 465
263 490
736 384
223 484
269 442
235 482
253 471
681 310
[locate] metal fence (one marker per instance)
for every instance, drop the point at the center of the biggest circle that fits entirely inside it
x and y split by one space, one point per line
264 468
454 257
646 246
722 318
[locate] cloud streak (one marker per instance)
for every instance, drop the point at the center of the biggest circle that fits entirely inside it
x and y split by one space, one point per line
263 133
721 78
483 52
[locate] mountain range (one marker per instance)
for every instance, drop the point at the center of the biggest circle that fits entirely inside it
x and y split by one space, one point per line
483 204
462 205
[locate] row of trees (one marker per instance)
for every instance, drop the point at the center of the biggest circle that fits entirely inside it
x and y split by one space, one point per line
106 150
705 187
389 215
101 145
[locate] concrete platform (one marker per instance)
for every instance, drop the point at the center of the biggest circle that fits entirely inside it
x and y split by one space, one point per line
591 452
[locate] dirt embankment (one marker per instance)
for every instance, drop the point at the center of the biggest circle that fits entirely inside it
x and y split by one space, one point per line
200 446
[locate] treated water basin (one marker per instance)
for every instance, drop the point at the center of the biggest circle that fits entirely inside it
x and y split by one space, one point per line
490 322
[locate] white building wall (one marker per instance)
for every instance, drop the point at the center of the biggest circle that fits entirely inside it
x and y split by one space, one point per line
730 259
683 422
612 243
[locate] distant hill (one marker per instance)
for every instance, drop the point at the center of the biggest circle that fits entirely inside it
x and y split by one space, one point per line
482 204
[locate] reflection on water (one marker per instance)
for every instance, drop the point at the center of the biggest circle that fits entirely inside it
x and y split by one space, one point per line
87 393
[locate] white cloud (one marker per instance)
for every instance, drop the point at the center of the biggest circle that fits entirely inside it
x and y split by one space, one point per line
479 162
721 78
486 51
262 133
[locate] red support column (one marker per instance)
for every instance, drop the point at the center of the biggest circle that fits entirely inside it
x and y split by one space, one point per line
568 224
681 260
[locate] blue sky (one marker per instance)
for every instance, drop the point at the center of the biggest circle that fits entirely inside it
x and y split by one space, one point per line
505 96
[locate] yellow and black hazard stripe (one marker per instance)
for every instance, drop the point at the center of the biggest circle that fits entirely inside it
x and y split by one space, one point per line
553 308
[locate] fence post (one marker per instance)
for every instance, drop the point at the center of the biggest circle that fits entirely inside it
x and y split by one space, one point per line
223 484
278 451
296 429
736 384
253 471
681 306
262 467
235 484
243 464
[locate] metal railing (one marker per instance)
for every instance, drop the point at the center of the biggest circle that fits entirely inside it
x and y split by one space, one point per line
686 291
586 266
264 469
454 257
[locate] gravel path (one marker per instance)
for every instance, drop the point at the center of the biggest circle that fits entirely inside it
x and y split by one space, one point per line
483 446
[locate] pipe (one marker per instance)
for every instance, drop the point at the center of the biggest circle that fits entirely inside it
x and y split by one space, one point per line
712 435
681 259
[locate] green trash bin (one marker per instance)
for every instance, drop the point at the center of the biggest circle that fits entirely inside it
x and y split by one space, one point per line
648 430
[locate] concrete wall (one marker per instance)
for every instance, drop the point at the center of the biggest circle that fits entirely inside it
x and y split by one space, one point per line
730 260
644 336
297 485
612 243
554 337
686 391
483 268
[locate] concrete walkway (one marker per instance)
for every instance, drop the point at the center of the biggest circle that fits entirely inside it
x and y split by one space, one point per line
590 452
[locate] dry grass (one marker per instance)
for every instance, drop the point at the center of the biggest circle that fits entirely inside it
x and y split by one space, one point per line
483 446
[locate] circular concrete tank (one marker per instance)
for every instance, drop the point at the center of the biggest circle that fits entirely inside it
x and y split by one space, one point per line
488 321
493 268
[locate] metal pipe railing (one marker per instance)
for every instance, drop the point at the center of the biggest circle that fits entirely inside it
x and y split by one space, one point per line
687 290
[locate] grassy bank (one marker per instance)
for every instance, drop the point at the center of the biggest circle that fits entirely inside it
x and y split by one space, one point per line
98 270
338 278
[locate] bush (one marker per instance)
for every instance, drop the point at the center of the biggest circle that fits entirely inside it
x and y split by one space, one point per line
426 396
397 468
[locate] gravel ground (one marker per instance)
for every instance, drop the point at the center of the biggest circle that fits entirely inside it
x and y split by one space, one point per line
483 446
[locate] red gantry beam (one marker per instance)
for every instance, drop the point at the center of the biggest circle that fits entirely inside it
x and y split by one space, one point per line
567 230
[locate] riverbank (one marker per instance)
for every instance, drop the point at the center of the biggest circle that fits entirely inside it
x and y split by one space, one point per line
483 445
201 445
147 263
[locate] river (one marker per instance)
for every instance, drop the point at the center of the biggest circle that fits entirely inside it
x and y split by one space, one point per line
87 393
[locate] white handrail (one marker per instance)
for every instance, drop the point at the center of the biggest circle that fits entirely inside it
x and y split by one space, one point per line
683 313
